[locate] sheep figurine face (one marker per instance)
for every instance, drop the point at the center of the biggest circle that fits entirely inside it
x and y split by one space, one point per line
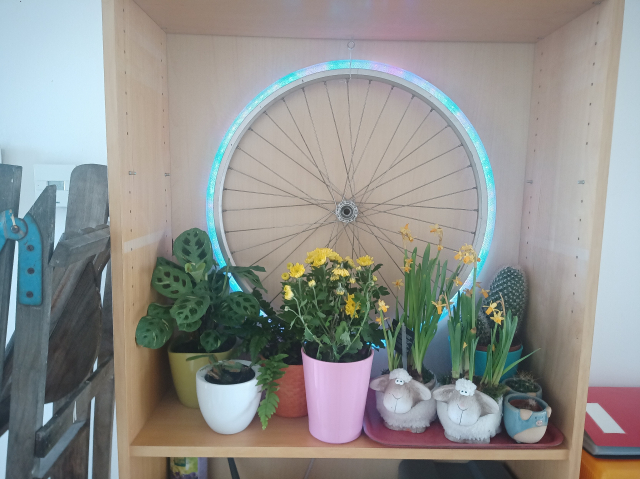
403 402
467 415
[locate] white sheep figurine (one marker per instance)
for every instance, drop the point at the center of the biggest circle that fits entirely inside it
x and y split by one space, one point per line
468 416
403 402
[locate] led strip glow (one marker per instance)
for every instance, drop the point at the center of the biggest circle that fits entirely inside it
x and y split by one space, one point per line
358 65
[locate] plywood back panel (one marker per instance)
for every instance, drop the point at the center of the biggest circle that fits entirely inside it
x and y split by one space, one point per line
575 77
211 79
140 203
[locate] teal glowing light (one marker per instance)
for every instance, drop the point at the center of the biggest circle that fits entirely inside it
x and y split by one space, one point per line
357 65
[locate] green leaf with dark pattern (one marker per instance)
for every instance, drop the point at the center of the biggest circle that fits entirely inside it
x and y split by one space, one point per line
194 246
244 304
153 332
159 311
211 340
189 309
170 281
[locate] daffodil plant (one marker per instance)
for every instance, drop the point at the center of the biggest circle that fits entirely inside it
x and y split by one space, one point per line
501 338
426 294
332 298
462 319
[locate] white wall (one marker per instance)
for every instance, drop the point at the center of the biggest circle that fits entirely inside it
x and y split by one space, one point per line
616 355
51 94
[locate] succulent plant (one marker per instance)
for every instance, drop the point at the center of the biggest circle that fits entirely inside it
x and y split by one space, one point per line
523 382
510 283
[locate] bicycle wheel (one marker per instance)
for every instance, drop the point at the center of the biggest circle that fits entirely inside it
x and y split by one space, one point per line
343 154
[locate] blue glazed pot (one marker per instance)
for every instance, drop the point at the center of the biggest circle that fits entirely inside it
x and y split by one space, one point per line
523 425
481 363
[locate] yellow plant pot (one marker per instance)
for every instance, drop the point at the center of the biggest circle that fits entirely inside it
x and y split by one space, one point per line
184 372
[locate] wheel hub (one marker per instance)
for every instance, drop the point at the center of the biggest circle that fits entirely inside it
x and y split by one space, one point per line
346 211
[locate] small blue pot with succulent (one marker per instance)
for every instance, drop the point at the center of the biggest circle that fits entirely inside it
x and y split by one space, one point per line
525 417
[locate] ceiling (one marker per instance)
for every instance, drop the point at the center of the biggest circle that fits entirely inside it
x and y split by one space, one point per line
423 20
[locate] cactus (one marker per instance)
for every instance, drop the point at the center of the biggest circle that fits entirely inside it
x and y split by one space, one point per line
511 283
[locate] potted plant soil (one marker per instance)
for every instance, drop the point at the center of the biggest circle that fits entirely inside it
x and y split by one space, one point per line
526 417
332 303
199 305
523 382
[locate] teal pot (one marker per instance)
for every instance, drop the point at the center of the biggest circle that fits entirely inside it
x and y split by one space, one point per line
510 382
522 424
513 355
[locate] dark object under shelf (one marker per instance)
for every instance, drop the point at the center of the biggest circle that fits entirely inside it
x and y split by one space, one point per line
410 469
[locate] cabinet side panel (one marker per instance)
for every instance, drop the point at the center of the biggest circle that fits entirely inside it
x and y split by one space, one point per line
139 192
575 77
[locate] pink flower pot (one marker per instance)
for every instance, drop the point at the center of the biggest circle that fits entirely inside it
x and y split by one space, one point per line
336 398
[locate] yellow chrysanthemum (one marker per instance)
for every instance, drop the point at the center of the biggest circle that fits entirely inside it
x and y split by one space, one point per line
352 280
351 307
350 262
288 294
334 277
341 272
358 268
289 265
296 270
311 283
340 291
365 260
374 278
285 276
382 306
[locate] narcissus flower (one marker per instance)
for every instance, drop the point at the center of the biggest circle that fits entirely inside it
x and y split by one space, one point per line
288 294
406 233
398 283
382 306
464 345
497 317
489 309
284 276
296 270
440 247
365 260
484 292
457 281
439 306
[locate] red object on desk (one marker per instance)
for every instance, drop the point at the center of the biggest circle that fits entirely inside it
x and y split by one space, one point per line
623 405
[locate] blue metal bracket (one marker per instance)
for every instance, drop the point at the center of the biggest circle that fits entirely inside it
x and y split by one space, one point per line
26 233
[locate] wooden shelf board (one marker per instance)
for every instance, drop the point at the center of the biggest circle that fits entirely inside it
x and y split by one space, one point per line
174 430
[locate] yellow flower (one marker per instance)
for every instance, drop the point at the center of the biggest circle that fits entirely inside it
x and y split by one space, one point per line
341 272
311 283
458 256
497 317
352 281
485 292
374 277
340 291
350 262
407 269
289 265
333 256
436 229
406 233
468 292
285 276
351 307
457 281
379 320
288 294
358 268
365 260
440 248
493 348
319 256
398 283
382 306
439 305
490 308
334 277
297 270
464 345
408 262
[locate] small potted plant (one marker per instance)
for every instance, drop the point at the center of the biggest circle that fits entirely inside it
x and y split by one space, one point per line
267 336
332 302
426 289
526 417
229 392
509 286
199 305
523 382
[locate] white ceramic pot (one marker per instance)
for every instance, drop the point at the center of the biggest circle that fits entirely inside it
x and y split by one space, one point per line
228 408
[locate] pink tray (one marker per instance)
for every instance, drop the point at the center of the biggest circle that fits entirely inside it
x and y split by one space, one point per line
433 437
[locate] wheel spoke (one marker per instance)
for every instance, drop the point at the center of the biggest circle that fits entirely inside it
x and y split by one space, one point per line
344 161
